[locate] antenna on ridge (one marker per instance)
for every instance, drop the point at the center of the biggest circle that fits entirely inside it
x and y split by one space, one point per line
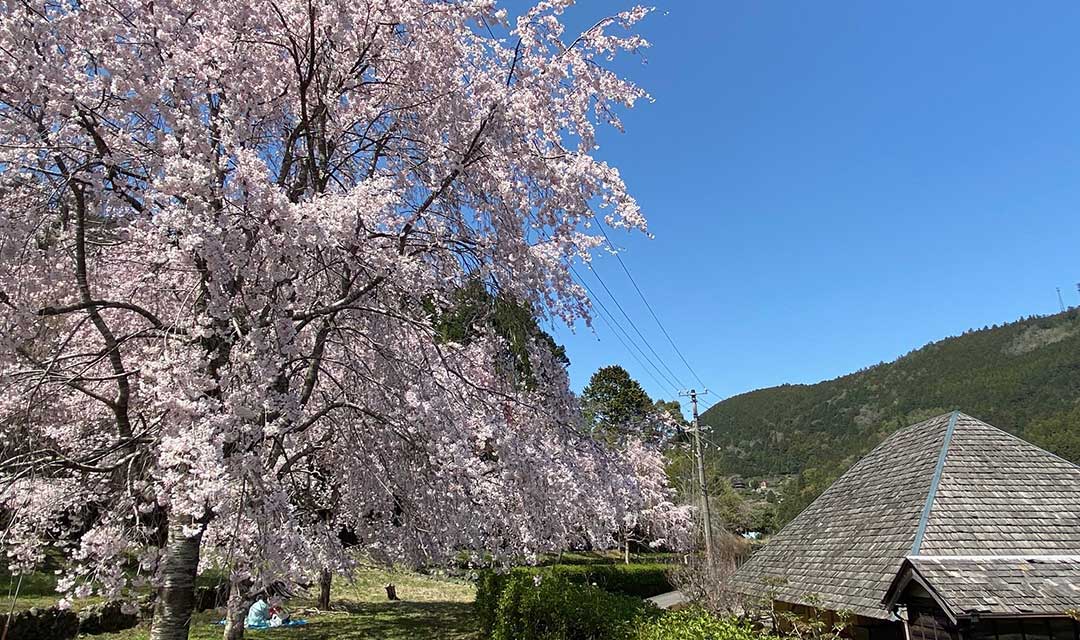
1061 303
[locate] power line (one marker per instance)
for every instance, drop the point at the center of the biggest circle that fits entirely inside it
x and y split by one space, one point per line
647 305
712 404
673 375
635 356
673 383
614 324
677 383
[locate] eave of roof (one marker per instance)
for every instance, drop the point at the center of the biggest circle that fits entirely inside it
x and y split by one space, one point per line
1008 586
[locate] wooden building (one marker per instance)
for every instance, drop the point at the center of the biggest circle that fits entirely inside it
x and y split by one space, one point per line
951 529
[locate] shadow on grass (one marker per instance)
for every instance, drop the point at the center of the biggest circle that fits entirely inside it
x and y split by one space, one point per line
350 621
394 620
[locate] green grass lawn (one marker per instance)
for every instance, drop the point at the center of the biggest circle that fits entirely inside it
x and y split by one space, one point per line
429 608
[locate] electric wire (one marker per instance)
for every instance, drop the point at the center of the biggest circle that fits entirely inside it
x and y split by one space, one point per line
672 383
634 326
674 380
647 305
612 322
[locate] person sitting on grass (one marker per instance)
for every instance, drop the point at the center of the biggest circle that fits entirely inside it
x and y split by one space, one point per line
259 613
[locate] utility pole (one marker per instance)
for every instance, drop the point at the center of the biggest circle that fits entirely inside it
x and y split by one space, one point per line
700 463
1061 303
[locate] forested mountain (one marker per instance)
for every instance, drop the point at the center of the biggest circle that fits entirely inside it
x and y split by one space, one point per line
1023 377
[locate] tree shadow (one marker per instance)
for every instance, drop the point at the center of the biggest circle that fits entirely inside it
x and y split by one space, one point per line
396 620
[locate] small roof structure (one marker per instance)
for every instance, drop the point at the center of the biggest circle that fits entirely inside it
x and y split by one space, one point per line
993 586
949 487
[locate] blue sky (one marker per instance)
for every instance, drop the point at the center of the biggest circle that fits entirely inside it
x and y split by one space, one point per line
833 184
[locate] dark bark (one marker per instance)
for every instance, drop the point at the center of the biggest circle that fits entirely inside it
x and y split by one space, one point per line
176 596
236 612
325 579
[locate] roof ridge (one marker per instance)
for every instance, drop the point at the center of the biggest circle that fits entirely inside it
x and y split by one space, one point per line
934 482
895 435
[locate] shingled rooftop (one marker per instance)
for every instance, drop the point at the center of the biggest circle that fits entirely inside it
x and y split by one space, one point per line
946 523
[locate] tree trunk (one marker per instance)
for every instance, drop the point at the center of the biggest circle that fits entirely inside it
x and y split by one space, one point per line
626 550
236 611
176 596
325 579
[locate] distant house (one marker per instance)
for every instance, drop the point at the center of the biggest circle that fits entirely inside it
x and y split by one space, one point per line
951 529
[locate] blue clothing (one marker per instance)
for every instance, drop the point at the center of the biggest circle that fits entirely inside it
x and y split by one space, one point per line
258 614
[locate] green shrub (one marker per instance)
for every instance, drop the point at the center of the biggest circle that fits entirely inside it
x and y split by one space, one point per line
106 618
489 586
556 603
695 624
547 606
50 623
641 580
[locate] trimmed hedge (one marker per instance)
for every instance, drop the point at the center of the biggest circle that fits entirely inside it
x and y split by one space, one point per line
641 580
106 618
534 605
43 624
638 580
489 586
550 607
695 624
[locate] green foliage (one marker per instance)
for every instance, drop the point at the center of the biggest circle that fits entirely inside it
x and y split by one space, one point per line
633 580
696 624
550 607
545 606
1059 433
1023 377
613 402
475 307
673 409
489 587
641 580
43 624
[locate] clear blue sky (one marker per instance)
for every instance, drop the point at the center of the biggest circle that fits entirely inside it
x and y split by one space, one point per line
833 184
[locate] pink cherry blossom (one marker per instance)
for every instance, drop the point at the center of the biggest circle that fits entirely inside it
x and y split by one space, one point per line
223 228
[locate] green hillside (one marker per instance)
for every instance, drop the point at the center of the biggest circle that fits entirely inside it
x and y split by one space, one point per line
1023 377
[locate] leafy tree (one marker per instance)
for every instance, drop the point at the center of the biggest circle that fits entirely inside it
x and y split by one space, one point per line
614 404
474 310
673 409
1059 433
763 517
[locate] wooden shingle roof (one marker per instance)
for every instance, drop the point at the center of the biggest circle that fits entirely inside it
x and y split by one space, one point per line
997 585
952 485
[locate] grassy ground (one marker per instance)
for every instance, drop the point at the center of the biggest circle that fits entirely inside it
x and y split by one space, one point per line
35 590
429 608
